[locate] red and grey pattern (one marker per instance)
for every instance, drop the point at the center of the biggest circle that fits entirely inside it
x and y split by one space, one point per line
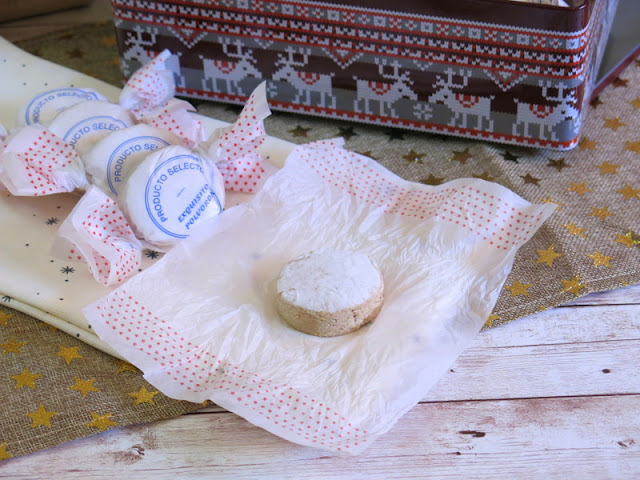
424 66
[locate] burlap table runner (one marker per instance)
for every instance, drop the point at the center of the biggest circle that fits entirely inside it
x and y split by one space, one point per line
56 388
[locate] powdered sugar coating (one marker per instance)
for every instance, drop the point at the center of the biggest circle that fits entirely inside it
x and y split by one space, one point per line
329 280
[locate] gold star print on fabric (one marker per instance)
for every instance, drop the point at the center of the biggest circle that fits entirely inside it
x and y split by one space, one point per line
5 317
628 192
558 204
635 103
4 455
548 256
518 288
484 176
606 167
587 144
572 286
108 40
530 179
620 82
600 260
84 386
632 146
101 422
124 366
579 188
41 417
613 123
461 157
26 379
68 353
575 230
414 157
558 164
627 240
143 396
432 180
12 346
299 131
492 318
602 213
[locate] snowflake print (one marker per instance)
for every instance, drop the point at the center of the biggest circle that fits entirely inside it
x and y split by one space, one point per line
6 299
52 221
152 254
67 270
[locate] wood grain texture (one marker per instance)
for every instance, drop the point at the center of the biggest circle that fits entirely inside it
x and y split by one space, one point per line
582 437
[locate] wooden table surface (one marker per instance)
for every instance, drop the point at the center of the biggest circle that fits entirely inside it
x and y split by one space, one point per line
555 395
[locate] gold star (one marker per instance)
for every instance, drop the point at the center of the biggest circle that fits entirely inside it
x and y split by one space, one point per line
461 157
3 452
528 178
101 422
628 192
635 103
26 379
431 180
620 82
125 367
613 123
68 353
579 188
299 131
41 417
108 40
5 317
587 144
632 146
626 240
558 164
550 200
607 167
518 288
484 176
575 230
143 396
414 157
492 318
548 256
12 346
572 286
600 260
84 386
603 212
596 102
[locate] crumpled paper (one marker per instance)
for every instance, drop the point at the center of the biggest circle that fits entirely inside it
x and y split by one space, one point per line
201 323
37 162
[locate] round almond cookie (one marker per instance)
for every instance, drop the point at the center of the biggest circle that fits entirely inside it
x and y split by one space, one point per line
329 292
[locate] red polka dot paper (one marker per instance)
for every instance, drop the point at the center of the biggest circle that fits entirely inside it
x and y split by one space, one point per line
175 117
97 233
36 162
234 147
151 86
214 333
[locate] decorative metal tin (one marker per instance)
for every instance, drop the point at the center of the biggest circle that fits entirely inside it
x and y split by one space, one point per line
496 70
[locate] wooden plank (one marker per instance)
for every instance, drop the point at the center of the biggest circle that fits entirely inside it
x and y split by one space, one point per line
619 296
562 438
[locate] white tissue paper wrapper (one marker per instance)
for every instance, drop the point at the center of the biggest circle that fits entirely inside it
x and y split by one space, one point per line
45 106
174 117
37 162
234 147
97 232
150 86
201 323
